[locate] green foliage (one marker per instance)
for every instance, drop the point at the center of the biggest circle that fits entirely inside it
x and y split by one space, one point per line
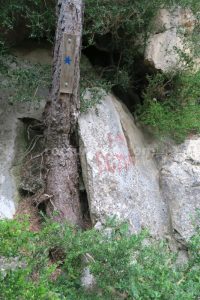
37 15
122 18
92 86
90 97
176 111
123 265
117 26
23 80
128 24
171 105
126 19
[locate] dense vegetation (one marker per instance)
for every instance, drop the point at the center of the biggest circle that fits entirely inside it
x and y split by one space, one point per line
50 264
175 112
22 79
38 16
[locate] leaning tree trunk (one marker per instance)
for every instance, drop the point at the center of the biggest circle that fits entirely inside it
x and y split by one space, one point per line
61 112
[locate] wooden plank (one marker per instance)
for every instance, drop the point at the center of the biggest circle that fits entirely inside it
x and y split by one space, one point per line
68 63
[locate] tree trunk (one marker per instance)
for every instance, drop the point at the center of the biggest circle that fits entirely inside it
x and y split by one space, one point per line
61 113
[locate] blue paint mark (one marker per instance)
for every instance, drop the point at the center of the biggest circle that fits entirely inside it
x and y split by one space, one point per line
68 60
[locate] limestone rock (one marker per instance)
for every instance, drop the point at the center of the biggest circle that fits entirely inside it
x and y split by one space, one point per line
88 281
120 177
8 264
175 18
180 182
167 40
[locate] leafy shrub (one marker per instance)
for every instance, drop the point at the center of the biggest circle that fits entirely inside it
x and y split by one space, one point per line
123 265
115 16
37 15
23 80
171 105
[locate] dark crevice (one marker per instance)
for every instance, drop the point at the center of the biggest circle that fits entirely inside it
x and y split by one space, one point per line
42 208
25 193
85 210
108 60
128 96
74 139
98 57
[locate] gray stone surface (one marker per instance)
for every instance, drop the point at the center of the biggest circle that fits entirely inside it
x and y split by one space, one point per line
87 280
180 182
120 176
11 263
12 136
168 36
34 52
11 149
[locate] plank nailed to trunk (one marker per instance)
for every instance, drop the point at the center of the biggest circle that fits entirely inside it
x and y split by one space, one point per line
68 63
61 113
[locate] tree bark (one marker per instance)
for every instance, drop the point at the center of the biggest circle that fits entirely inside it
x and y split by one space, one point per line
61 113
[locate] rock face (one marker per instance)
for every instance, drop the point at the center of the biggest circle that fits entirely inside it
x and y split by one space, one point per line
167 39
180 182
120 177
13 142
7 264
7 142
40 53
180 169
12 147
123 180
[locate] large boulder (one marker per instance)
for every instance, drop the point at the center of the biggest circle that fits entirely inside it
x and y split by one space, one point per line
180 183
120 176
36 53
122 179
167 41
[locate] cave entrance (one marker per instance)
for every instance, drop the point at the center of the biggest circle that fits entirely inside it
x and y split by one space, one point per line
106 60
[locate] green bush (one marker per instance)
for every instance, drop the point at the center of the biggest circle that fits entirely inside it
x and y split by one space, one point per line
23 79
37 15
115 16
123 265
172 105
